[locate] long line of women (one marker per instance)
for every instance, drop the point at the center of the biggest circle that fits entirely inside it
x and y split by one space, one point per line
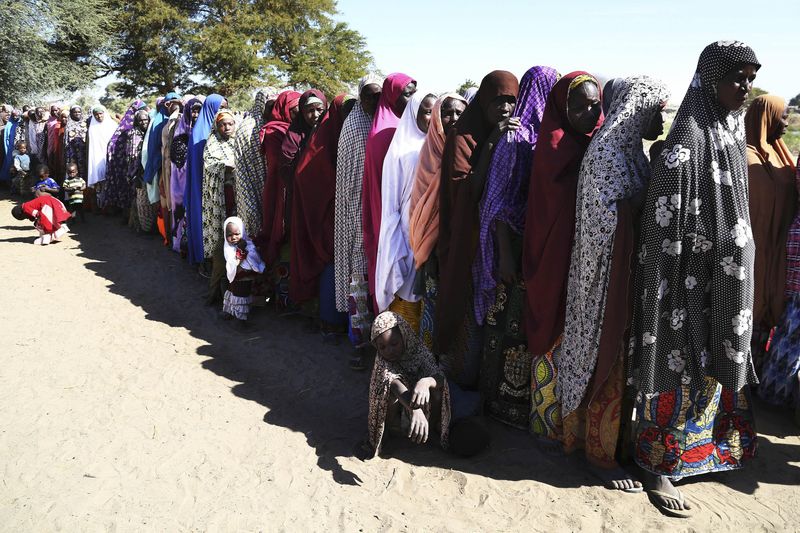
524 256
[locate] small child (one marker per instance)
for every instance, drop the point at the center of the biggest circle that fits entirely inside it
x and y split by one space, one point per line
20 168
44 183
242 263
73 192
48 215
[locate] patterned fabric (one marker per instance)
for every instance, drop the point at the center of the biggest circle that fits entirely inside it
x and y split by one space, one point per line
410 311
360 311
694 430
237 306
545 413
75 144
506 369
250 171
217 155
780 381
118 192
506 191
348 240
696 255
614 168
428 307
146 212
793 249
416 363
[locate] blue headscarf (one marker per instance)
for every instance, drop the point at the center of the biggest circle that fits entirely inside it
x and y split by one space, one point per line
193 197
8 134
157 122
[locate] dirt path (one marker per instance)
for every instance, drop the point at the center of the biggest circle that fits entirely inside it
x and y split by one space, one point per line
126 406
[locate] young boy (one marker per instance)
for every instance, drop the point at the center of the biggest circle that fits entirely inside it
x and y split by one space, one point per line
48 215
73 191
20 168
44 183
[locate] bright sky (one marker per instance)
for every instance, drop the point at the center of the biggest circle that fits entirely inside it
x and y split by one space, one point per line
443 42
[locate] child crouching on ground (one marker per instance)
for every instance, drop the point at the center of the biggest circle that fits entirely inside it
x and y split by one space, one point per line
242 263
48 215
73 192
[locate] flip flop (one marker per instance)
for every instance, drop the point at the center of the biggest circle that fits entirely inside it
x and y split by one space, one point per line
674 513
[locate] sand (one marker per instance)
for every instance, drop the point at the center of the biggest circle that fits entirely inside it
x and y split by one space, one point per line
127 406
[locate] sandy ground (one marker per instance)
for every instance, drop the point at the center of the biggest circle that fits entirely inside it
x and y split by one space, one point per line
126 406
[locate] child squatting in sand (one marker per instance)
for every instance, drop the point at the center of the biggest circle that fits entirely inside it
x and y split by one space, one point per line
242 263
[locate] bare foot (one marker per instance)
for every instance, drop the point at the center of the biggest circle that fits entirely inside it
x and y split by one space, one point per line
551 447
616 478
663 494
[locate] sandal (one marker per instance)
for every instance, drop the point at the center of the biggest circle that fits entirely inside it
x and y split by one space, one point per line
675 513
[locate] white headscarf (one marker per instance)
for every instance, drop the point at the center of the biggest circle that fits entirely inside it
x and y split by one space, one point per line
100 134
251 262
394 271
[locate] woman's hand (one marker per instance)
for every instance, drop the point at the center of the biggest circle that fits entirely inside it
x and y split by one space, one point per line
506 125
418 432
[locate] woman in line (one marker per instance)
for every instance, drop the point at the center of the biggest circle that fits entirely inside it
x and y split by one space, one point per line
423 231
118 191
589 371
142 215
394 269
467 153
101 129
314 191
193 196
179 169
773 204
175 110
218 168
350 264
9 137
55 146
499 294
75 140
690 361
397 90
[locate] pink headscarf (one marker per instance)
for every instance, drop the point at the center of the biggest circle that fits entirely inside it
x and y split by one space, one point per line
380 136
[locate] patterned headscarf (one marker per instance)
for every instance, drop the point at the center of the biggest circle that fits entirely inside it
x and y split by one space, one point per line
250 171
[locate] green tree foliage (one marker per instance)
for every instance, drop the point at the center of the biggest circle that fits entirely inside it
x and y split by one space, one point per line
113 100
755 92
468 83
53 47
795 101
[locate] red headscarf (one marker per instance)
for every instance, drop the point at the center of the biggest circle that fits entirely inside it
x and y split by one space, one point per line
312 206
550 220
272 134
380 137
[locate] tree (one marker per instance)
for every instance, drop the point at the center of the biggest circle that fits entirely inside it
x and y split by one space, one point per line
755 92
468 83
795 101
113 100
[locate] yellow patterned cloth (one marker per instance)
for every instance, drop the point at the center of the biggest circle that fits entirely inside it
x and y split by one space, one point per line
410 311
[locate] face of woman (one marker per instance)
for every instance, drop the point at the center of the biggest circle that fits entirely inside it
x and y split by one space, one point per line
225 127
63 119
451 111
369 97
424 113
584 107
656 126
312 112
99 116
405 96
76 113
224 104
500 108
141 120
781 126
196 112
390 345
733 88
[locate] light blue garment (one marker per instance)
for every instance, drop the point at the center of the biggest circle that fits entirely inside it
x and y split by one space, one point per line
9 132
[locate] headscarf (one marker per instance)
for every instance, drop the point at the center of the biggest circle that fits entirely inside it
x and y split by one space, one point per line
153 139
416 363
75 143
550 217
179 152
458 210
118 191
296 137
250 173
251 262
380 136
615 167
192 198
217 156
9 134
469 94
348 236
610 92
694 282
394 267
424 207
313 199
273 196
55 147
773 203
506 191
100 134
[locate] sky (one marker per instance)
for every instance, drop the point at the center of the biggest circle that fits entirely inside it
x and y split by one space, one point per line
442 43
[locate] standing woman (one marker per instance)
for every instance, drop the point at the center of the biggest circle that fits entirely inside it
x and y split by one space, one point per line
179 169
143 214
314 191
175 110
397 90
690 339
499 294
101 129
773 203
218 168
423 231
465 163
394 270
75 140
118 191
9 137
193 196
590 370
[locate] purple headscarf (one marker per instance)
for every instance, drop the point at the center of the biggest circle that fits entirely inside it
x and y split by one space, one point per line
117 191
178 173
506 191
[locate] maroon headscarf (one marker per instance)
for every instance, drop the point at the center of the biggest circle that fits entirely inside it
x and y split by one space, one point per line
312 210
550 219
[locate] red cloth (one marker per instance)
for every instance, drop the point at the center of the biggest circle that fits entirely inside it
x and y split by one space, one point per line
271 134
47 212
550 219
380 136
312 206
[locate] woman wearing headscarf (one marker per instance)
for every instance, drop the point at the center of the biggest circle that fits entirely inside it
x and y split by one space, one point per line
118 191
75 140
314 191
143 213
192 198
101 129
690 360
499 295
175 111
55 154
218 165
397 89
9 137
179 169
394 268
589 372
423 231
152 152
773 203
465 162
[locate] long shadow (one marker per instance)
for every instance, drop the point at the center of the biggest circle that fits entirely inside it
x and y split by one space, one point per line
306 385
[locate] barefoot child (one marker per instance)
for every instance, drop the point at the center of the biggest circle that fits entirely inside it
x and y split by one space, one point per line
44 183
73 191
48 215
242 263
